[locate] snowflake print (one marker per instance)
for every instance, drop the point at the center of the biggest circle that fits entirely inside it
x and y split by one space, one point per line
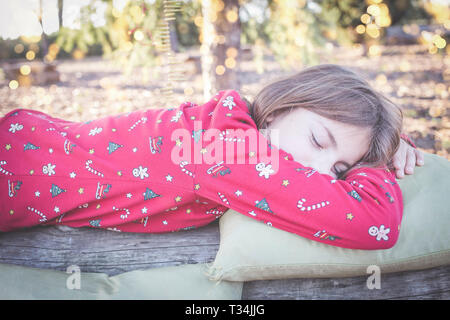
49 169
380 233
95 131
140 172
15 127
228 102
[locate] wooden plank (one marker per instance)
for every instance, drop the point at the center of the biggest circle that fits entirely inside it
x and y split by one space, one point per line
425 284
96 250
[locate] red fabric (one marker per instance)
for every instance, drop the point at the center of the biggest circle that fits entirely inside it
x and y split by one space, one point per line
405 137
128 173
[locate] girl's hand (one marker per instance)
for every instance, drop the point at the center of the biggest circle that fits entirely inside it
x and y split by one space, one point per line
406 158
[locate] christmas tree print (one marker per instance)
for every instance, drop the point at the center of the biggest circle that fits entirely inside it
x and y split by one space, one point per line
113 147
355 195
55 190
30 146
150 194
263 205
95 223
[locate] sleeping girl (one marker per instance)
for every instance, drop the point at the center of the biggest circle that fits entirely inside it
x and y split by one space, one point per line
316 154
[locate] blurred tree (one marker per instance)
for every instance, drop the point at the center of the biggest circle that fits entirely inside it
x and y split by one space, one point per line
60 13
294 33
221 39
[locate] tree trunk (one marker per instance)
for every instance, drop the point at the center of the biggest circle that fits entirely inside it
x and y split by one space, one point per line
44 35
219 64
60 13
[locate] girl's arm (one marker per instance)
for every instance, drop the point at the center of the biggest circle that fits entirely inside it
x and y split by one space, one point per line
364 211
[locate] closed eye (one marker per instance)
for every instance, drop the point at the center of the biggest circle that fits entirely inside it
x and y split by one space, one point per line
313 138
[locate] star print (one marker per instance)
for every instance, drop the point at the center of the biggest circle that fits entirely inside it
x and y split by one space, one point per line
37 193
56 209
251 154
164 222
31 171
8 146
144 210
91 151
229 114
203 151
197 186
238 193
177 199
33 128
98 206
252 213
192 117
11 212
285 183
188 210
73 175
50 150
286 158
77 136
169 178
178 142
134 149
129 195
81 190
119 173
350 216
113 130
158 121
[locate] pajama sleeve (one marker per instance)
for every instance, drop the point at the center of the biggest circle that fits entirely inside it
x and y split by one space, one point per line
256 179
405 137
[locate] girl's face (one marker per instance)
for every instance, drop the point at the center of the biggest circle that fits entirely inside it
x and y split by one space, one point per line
326 145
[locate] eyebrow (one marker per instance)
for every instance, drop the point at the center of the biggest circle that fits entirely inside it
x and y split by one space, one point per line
333 141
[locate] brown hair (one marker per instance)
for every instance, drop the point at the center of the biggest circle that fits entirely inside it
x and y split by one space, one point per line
339 94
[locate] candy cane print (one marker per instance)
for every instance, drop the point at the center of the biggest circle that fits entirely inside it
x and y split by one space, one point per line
223 137
122 216
88 168
182 164
3 170
143 120
43 217
313 207
223 198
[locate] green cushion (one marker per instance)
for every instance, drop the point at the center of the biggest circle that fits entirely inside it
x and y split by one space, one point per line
184 282
250 250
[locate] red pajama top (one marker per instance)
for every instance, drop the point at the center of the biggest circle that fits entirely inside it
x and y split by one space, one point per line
162 170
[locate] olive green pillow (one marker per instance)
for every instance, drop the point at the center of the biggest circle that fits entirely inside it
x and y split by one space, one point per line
184 282
250 250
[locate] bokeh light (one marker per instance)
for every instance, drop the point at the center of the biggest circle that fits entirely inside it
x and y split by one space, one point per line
13 84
